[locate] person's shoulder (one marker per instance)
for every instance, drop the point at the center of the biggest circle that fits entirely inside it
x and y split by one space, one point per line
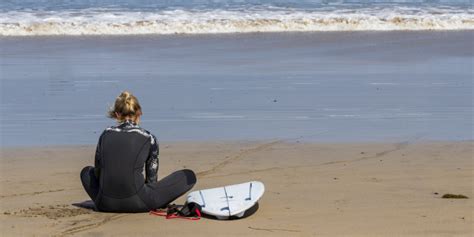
111 128
145 133
152 136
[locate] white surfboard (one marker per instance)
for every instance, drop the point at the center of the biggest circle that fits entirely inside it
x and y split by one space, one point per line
227 201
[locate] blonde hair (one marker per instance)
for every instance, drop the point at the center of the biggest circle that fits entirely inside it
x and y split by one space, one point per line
126 106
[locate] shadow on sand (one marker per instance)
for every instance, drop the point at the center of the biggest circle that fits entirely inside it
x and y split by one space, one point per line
89 205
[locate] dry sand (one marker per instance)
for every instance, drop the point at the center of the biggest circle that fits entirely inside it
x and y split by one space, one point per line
391 189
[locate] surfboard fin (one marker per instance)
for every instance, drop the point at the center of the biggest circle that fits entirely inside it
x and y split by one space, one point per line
250 193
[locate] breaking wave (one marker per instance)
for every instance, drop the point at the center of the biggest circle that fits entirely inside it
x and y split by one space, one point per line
97 21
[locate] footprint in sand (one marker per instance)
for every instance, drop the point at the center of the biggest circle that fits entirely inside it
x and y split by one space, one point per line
52 211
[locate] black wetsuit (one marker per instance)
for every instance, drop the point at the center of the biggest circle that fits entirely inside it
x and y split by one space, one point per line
117 183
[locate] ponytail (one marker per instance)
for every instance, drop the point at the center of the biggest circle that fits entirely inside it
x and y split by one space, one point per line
126 106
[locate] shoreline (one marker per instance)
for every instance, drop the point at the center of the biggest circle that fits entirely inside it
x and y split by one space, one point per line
295 140
351 189
234 34
302 141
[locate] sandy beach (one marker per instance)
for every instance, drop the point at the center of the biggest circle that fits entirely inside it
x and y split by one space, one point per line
338 127
312 189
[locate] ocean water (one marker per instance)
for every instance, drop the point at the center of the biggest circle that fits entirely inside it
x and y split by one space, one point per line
315 86
131 17
312 70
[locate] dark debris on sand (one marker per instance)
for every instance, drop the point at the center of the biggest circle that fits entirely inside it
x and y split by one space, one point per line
454 196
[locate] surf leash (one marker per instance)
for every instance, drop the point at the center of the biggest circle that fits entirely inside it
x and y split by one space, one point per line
189 211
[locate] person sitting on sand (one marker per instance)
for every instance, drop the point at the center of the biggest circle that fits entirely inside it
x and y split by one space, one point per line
124 152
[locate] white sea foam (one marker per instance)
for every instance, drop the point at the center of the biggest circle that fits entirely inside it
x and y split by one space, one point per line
118 22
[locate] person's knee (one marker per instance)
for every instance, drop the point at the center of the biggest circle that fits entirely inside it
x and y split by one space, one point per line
190 176
89 182
86 170
86 173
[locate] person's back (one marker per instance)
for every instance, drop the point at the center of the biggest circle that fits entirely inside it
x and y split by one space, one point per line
122 160
124 153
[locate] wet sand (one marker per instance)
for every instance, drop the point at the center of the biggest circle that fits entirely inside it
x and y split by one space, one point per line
324 86
312 189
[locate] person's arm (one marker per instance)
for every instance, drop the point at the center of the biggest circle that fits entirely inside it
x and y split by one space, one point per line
152 162
98 156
